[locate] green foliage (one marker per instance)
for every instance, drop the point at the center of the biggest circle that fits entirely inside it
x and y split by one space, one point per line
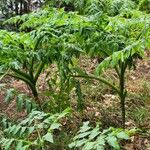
118 41
22 101
61 97
140 116
35 131
90 7
89 138
119 6
19 58
82 6
144 5
52 40
115 31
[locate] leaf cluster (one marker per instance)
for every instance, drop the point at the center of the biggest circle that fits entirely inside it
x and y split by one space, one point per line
35 131
89 138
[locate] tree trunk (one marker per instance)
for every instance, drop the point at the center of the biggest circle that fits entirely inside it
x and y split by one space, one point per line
16 7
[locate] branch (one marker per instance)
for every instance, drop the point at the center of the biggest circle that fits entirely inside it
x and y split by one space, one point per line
39 70
21 73
98 79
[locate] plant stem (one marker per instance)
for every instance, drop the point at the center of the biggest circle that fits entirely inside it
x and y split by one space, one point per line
31 69
39 70
31 83
99 79
39 135
122 92
21 73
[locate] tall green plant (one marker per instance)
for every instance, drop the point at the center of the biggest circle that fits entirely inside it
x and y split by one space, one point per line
19 58
117 41
135 34
52 40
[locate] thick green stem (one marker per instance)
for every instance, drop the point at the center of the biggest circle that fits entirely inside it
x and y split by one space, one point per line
21 73
31 83
39 70
29 79
4 74
122 92
31 69
117 71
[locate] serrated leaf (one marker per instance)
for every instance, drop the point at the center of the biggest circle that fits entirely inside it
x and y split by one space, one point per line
19 145
55 126
20 102
23 129
12 128
9 95
8 144
48 137
112 141
95 132
16 130
89 146
85 127
122 135
82 135
28 106
78 143
30 130
101 140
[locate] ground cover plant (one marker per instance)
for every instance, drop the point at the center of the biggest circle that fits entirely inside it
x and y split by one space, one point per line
19 136
54 41
94 139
